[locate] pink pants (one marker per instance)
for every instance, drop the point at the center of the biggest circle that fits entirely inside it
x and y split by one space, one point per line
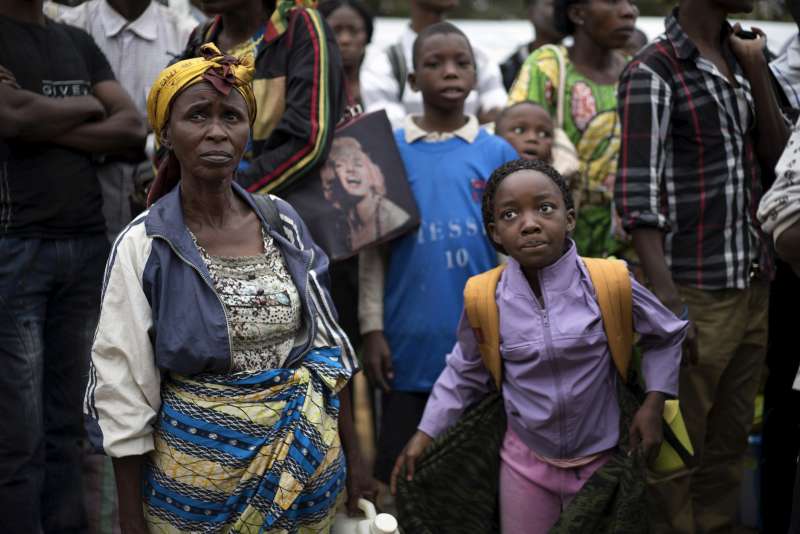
532 492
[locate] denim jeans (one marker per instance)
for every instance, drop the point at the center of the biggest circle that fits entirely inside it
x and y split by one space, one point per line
49 305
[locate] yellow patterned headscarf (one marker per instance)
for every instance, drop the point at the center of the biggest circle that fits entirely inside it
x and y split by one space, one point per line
221 71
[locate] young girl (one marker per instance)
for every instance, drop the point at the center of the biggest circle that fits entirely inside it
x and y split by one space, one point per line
558 378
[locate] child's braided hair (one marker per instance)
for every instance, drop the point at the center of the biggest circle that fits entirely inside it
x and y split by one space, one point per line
507 169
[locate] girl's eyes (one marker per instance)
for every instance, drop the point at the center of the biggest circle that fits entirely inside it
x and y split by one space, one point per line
507 215
547 208
197 116
545 134
232 116
518 130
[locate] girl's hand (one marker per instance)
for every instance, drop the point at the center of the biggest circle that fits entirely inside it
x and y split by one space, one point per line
646 431
408 457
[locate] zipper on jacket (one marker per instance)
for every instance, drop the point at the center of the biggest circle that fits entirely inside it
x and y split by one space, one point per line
548 342
312 332
211 287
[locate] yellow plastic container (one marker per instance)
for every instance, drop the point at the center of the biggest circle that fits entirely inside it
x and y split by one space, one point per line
668 460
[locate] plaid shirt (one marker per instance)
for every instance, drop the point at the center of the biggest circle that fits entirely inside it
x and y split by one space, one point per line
687 163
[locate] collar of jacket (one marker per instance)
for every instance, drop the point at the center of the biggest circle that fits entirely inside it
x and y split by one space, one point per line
165 220
556 277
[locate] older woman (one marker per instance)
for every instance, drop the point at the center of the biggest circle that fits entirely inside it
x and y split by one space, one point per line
588 71
297 81
217 360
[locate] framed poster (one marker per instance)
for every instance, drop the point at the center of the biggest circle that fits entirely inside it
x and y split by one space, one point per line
361 195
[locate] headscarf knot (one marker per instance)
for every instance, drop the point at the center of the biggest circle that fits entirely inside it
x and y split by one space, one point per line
222 71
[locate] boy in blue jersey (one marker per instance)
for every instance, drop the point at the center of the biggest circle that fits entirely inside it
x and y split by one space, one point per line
410 295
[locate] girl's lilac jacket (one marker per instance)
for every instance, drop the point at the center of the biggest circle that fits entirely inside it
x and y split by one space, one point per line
559 382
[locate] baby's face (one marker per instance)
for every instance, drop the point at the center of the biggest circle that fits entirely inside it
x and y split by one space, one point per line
529 129
352 168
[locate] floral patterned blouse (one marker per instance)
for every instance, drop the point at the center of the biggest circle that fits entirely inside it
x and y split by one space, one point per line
592 124
261 303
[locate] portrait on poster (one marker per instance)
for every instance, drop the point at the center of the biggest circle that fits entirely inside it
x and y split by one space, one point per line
362 196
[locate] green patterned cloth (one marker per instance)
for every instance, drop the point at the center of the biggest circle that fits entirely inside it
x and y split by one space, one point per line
456 482
592 124
614 499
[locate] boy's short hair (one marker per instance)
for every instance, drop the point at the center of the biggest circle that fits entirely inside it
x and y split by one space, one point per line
440 28
505 111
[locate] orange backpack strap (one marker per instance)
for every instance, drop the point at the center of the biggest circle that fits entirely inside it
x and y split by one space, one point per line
484 318
612 287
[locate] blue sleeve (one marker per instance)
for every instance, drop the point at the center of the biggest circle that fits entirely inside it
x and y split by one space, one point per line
509 153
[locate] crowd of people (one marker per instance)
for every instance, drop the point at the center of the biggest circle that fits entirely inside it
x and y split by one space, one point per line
182 356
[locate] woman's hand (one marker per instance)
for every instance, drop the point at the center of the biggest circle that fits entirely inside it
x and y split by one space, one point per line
131 525
128 474
378 359
359 483
646 432
408 457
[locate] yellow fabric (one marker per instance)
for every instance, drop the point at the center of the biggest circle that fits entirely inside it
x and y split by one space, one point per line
484 318
614 294
612 287
183 74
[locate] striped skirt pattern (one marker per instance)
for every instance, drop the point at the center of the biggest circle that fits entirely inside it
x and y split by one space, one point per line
248 452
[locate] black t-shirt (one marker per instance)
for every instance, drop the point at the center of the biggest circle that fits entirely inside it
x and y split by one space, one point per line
48 191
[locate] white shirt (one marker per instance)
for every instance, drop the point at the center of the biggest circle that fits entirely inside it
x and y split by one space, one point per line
380 90
779 208
137 51
786 68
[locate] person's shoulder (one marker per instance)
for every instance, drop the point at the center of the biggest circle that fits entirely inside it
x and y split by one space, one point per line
175 21
77 35
305 19
547 53
491 141
657 56
132 245
400 136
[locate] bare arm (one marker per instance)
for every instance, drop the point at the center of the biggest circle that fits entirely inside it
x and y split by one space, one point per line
649 246
121 130
359 481
788 245
28 116
771 130
128 474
